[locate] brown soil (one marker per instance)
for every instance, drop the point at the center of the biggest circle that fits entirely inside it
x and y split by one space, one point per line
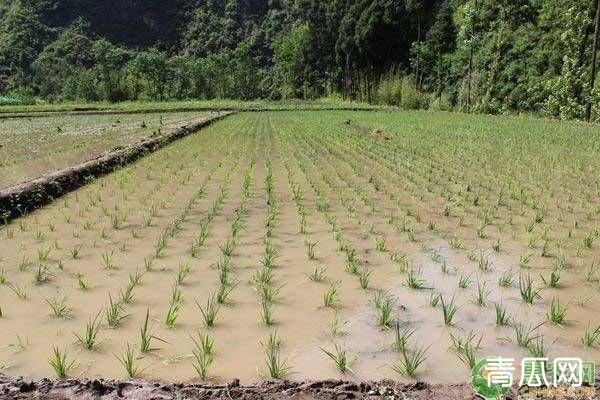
20 388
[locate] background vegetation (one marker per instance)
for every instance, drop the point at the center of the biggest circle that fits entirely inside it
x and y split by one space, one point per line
493 56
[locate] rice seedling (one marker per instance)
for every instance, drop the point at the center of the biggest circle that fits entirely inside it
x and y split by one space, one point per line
88 339
318 274
127 360
17 290
75 253
276 367
525 335
266 312
3 277
23 264
59 307
341 358
310 250
554 279
182 273
336 326
225 290
449 310
502 316
590 337
506 279
172 313
227 248
464 281
42 255
126 296
557 313
496 245
434 299
482 294
414 280
528 292
456 243
381 244
384 305
410 362
484 263
401 336
202 362
364 277
331 296
148 264
209 311
42 274
60 363
114 313
204 343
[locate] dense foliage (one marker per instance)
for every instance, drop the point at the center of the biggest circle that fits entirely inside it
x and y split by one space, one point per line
484 55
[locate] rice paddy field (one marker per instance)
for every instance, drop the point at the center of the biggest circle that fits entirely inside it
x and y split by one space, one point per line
306 245
34 145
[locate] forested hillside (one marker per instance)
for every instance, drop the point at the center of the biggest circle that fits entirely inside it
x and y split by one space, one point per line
480 55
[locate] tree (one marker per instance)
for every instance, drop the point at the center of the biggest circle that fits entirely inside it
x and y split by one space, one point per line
441 38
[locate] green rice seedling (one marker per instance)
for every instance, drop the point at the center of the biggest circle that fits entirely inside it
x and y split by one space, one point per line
148 264
263 277
444 267
557 313
266 312
554 279
17 290
276 367
146 336
384 306
464 281
75 252
411 362
331 296
135 278
114 313
135 234
502 316
42 274
310 250
524 260
449 310
23 264
414 280
538 349
3 277
107 260
466 351
127 360
480 232
434 299
364 277
60 364
525 335
225 290
336 327
528 292
60 265
545 249
590 337
42 255
401 336
341 358
92 328
318 274
59 307
381 244
482 294
172 314
227 248
484 263
182 273
209 311
204 343
81 281
126 296
506 279
202 362
588 240
39 236
456 243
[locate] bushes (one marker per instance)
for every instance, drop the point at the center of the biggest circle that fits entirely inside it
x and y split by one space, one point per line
396 90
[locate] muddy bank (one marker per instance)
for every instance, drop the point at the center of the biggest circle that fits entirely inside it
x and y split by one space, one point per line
26 196
20 388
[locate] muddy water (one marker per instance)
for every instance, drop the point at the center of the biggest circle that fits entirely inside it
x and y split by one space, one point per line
220 157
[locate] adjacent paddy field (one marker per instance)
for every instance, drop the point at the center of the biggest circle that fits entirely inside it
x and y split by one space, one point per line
32 146
312 245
